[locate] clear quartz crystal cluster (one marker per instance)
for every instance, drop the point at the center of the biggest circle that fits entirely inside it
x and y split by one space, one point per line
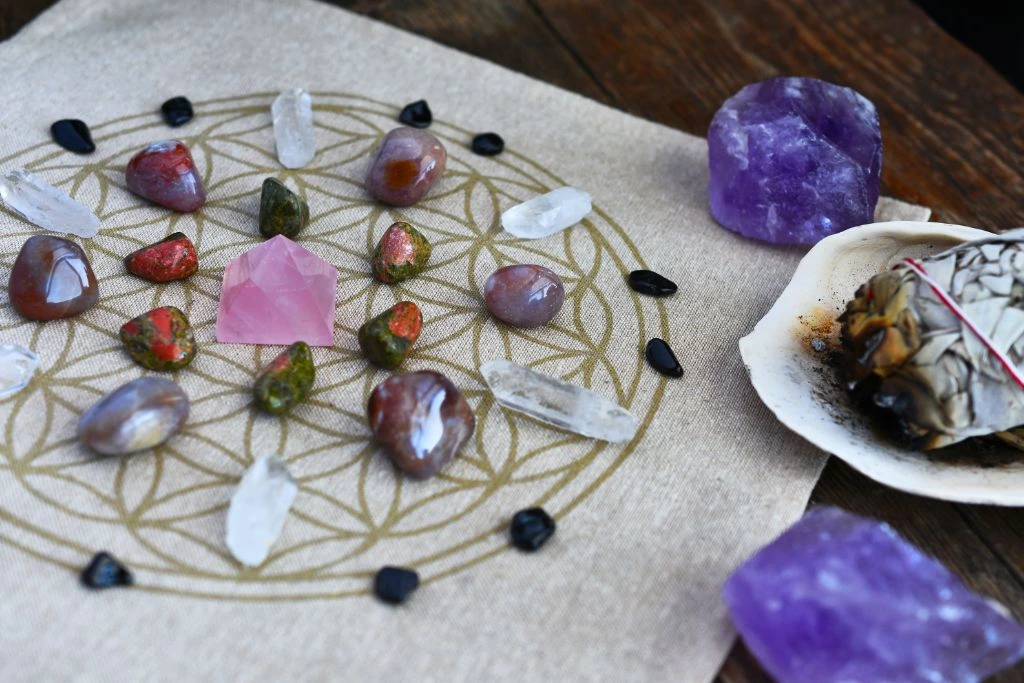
839 598
17 365
793 160
294 135
40 203
547 214
558 403
258 510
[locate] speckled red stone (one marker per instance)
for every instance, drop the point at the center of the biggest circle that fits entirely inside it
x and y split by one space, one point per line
408 163
422 421
173 258
165 174
52 279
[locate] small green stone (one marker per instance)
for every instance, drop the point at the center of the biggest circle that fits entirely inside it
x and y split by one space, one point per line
282 212
385 339
402 252
286 381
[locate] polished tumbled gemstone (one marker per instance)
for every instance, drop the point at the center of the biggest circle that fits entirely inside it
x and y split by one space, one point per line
531 529
104 571
843 598
416 114
793 160
649 282
662 359
547 214
172 258
17 365
524 295
282 212
40 203
73 135
403 251
488 144
165 174
277 293
161 339
408 163
52 279
286 381
259 509
294 134
558 403
177 111
395 584
137 416
422 421
385 340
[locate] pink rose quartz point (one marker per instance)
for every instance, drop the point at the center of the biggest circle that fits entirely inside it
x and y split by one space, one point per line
278 293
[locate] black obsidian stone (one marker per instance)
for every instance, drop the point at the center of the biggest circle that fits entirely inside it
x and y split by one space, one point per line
177 111
106 572
73 135
531 529
488 144
649 282
661 358
416 114
394 584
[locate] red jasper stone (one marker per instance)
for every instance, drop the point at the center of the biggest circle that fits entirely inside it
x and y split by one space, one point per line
165 174
422 421
172 258
52 279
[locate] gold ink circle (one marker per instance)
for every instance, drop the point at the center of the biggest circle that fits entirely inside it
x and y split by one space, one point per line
163 512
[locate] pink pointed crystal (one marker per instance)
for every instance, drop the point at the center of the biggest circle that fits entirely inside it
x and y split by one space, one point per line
278 293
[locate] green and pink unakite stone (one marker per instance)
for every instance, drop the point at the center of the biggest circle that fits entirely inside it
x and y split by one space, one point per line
403 251
161 339
386 339
286 381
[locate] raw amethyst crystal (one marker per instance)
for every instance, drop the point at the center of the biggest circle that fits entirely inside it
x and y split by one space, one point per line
794 160
842 598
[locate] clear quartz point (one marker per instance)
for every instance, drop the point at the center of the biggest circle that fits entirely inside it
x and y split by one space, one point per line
558 403
42 204
17 365
293 128
258 510
547 214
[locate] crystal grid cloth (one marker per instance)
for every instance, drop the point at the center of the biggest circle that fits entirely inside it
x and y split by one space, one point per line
629 587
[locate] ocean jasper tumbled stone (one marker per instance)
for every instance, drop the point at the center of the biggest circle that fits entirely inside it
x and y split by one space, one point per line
421 420
165 174
524 295
793 160
135 417
408 163
52 279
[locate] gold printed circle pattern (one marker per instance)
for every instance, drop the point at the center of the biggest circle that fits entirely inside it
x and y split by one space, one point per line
163 512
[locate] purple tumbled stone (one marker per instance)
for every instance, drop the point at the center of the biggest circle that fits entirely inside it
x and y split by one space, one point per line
407 164
793 160
843 598
524 295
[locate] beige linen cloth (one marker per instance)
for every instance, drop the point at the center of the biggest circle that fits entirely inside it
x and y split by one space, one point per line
628 589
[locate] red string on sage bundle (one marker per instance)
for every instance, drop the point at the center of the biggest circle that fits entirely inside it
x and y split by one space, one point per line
952 305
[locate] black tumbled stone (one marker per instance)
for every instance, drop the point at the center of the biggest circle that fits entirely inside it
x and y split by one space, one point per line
488 144
106 572
661 358
73 135
649 282
394 584
416 114
177 111
531 529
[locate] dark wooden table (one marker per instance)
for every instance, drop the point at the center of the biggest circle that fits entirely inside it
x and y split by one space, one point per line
953 131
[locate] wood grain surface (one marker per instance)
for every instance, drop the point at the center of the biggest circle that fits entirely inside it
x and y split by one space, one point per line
953 132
